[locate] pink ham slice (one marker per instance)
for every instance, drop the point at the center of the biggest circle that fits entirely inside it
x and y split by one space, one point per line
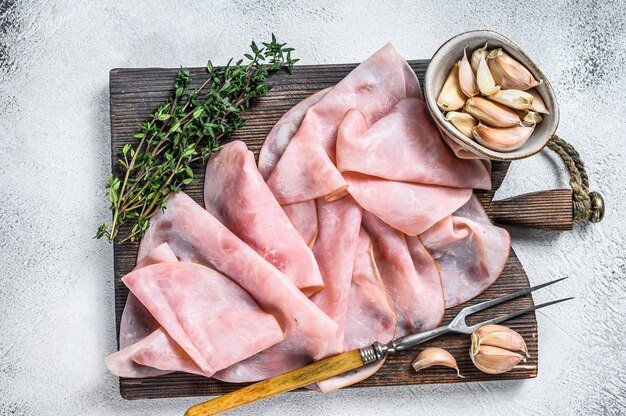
334 249
236 194
405 145
146 350
194 235
409 207
470 251
210 317
370 316
303 216
283 131
410 276
306 170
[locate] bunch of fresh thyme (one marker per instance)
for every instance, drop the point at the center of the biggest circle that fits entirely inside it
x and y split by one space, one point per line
186 128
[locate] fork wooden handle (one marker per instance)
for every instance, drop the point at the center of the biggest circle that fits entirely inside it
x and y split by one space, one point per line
550 210
291 380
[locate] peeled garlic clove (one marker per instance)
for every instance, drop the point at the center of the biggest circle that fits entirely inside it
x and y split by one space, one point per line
502 139
451 97
462 121
499 336
484 79
477 55
509 73
491 113
494 360
467 79
532 119
538 104
435 356
519 100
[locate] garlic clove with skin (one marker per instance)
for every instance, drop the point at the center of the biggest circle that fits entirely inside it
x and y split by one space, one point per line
532 118
477 55
538 104
494 360
499 336
517 99
502 139
493 114
496 349
435 356
467 79
462 121
484 79
451 96
509 73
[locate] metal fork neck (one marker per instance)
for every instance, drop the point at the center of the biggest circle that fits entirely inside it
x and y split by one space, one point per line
378 351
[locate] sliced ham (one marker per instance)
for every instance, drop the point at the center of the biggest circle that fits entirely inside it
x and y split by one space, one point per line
196 236
334 249
370 316
409 207
307 168
283 131
405 145
410 276
210 317
303 216
470 251
237 196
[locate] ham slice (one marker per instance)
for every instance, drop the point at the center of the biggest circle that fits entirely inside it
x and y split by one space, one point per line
334 249
405 145
370 316
303 216
307 168
409 207
283 131
410 276
237 196
196 236
210 317
470 251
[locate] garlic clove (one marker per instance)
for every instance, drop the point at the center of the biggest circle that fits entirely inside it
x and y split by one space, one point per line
538 104
484 79
519 100
494 360
451 96
502 139
435 356
499 336
509 73
462 121
467 79
477 55
493 114
532 118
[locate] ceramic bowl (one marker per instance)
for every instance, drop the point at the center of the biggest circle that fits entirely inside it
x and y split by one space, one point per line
450 53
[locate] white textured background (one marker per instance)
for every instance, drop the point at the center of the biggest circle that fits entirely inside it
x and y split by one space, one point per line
56 282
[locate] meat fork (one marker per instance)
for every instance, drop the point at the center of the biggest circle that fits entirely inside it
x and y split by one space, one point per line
340 363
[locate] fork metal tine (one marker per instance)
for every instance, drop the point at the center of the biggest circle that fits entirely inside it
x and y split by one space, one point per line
516 314
489 303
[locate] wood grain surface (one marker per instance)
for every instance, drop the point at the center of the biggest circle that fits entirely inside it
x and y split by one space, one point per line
134 93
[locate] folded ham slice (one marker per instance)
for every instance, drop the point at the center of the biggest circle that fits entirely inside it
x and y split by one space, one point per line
470 251
306 170
237 196
283 131
334 249
196 236
405 145
303 216
409 207
210 317
410 276
370 316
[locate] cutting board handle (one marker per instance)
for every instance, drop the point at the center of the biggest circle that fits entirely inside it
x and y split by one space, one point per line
549 210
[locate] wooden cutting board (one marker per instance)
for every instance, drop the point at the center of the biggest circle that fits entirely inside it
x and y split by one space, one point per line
136 92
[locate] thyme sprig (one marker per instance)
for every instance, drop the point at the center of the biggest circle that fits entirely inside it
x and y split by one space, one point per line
188 127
